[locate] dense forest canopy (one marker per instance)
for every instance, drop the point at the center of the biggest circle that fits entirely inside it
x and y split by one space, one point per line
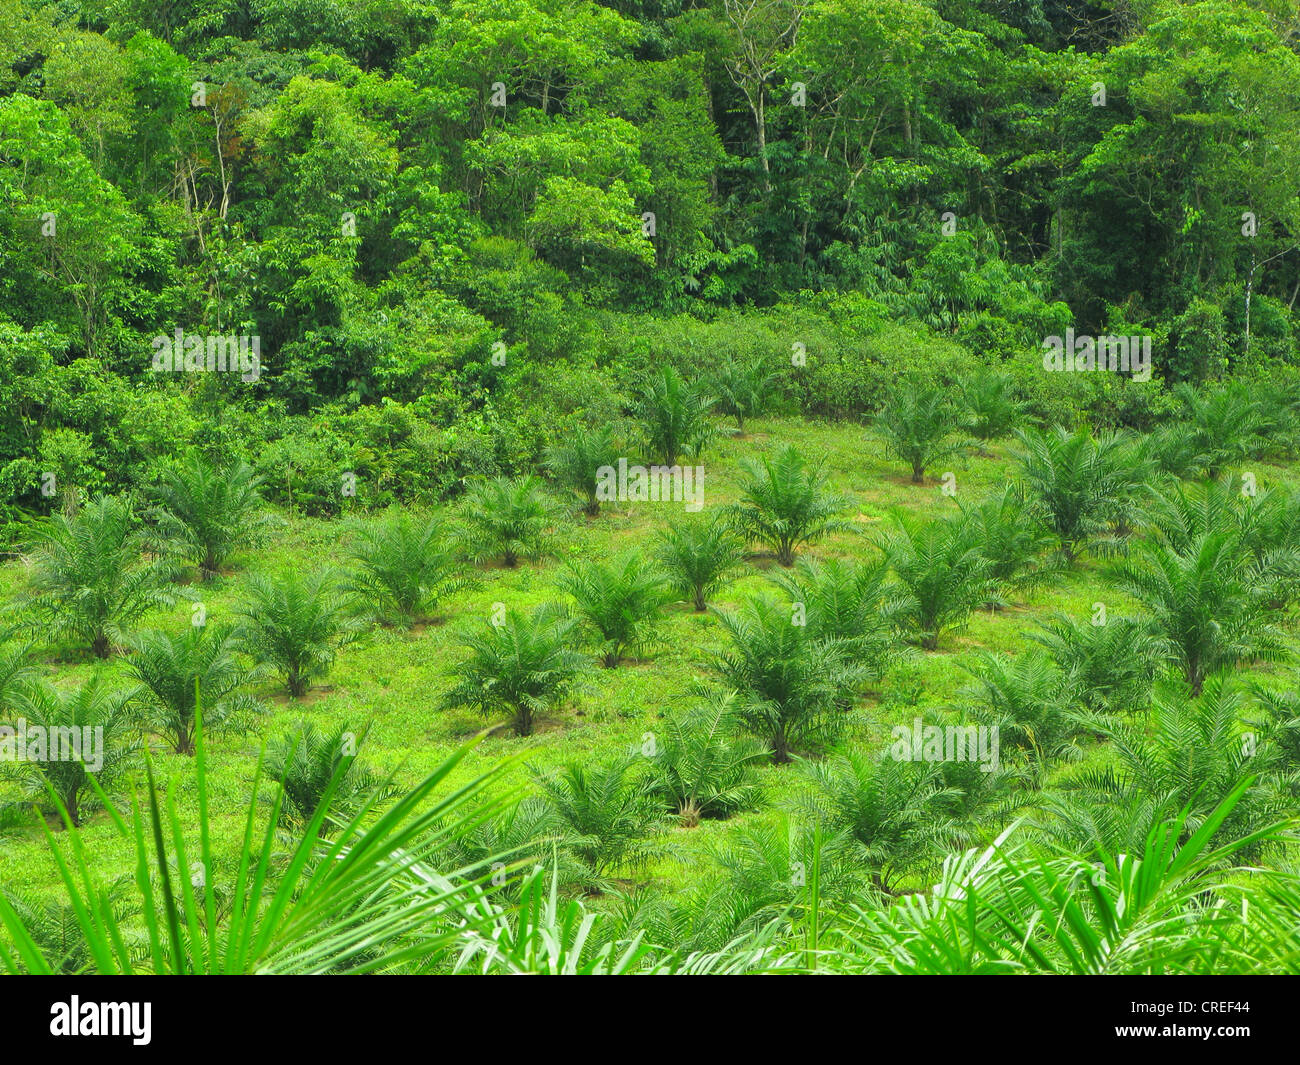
386 193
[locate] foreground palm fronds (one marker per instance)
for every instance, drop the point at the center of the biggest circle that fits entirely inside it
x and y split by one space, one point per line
372 898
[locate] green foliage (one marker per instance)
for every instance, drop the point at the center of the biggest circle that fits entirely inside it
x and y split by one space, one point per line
843 605
675 417
522 666
169 668
404 568
322 910
916 424
700 557
891 811
90 580
293 623
991 405
618 600
505 519
785 503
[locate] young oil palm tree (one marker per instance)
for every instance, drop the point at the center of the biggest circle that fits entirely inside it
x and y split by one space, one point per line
789 687
89 579
205 511
294 623
940 577
844 605
1025 698
1108 667
917 424
701 769
308 765
991 407
675 417
1227 423
573 462
507 519
1076 481
1012 538
522 667
68 736
700 557
891 811
403 569
743 389
785 503
1210 604
166 667
618 600
607 815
